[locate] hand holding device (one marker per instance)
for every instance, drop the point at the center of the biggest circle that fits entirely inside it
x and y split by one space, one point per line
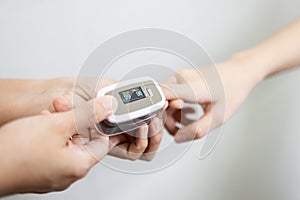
141 143
139 100
44 153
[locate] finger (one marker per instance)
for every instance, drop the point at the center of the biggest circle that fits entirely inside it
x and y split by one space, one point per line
176 104
155 136
137 148
45 112
128 147
77 140
119 145
98 147
182 116
165 107
154 143
195 130
191 93
62 103
83 137
170 80
178 118
90 113
173 91
120 151
116 140
170 123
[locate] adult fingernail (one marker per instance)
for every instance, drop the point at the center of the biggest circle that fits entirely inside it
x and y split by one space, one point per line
180 138
156 123
180 103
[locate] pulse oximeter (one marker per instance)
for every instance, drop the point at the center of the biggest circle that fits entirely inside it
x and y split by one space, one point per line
139 100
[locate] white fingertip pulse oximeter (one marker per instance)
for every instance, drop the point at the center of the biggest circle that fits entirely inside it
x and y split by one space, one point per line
139 100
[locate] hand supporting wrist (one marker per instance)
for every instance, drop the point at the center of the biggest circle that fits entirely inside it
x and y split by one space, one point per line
22 98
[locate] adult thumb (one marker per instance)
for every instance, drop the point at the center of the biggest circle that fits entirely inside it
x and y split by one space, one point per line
90 113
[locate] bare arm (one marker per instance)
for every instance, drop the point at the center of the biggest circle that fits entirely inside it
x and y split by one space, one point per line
278 53
20 98
239 74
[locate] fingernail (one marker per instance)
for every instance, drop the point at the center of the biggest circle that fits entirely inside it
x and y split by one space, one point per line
144 131
180 138
180 104
157 125
66 102
108 102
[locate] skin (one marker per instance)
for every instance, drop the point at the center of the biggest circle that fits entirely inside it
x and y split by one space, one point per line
45 152
139 144
49 151
239 75
28 97
68 160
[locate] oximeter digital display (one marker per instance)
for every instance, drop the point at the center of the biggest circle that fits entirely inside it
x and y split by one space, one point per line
139 100
132 94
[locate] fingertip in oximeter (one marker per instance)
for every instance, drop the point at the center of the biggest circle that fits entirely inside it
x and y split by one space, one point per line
139 100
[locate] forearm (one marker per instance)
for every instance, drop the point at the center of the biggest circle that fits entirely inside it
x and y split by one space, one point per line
21 98
278 53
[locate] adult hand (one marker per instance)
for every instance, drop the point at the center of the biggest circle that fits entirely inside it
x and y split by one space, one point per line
22 98
237 78
141 143
138 144
77 92
44 153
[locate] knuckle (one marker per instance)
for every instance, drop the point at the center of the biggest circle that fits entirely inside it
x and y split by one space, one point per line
98 111
200 132
147 158
219 119
61 187
95 112
133 156
142 146
198 135
156 140
150 157
86 113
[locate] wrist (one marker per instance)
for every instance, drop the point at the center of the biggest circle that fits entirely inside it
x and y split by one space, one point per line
240 71
246 62
29 97
260 60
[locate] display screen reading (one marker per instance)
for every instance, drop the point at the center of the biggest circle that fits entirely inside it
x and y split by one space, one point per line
132 94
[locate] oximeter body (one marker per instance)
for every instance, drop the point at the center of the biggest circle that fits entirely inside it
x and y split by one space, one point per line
139 100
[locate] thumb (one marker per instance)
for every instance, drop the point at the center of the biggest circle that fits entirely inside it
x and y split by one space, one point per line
62 103
90 113
98 147
195 130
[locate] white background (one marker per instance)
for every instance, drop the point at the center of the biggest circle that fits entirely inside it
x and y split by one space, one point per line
258 156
